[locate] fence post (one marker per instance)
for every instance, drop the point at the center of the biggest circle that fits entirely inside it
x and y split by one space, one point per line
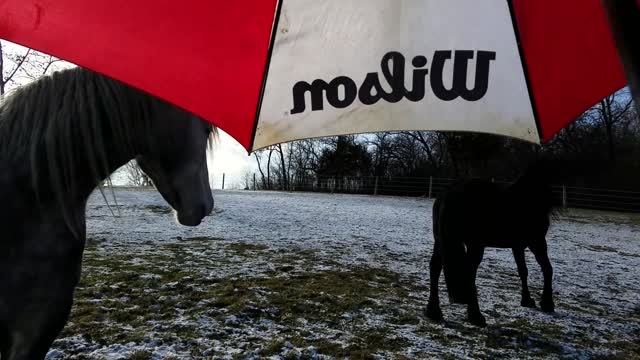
254 181
223 181
430 185
564 196
375 187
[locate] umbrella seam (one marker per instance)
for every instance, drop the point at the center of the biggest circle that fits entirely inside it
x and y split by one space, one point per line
525 69
274 33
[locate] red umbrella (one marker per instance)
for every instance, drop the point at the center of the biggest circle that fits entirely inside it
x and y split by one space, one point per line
268 72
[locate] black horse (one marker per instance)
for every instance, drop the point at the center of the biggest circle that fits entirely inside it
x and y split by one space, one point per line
59 138
478 214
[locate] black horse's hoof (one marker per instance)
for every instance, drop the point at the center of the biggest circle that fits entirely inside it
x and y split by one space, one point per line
530 303
434 313
547 305
477 319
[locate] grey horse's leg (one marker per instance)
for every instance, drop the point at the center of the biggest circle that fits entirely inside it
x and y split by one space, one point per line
518 255
36 329
41 288
475 254
4 340
539 249
433 310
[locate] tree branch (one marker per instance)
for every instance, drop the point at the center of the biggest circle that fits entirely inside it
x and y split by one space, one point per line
18 65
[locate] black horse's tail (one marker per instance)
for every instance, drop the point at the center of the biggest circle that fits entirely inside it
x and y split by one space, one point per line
457 272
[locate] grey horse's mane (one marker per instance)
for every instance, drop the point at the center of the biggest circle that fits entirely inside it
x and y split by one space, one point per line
55 126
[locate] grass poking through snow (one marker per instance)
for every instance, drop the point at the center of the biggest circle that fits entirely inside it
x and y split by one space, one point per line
306 276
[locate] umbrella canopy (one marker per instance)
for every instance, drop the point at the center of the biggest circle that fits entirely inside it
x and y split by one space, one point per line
268 72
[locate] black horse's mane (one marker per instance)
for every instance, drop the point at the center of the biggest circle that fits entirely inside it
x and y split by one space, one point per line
55 127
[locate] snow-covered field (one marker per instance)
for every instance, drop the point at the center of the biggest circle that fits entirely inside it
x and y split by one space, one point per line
297 275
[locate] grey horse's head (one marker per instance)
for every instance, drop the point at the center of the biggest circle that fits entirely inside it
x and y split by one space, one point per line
175 158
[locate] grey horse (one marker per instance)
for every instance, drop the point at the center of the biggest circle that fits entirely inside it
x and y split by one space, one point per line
60 137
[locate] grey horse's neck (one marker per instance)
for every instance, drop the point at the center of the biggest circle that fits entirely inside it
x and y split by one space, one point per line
62 135
29 190
41 181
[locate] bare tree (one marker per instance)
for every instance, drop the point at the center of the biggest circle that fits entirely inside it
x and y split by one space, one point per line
426 140
610 111
246 180
283 169
382 149
271 148
17 60
263 179
136 176
23 65
266 181
303 159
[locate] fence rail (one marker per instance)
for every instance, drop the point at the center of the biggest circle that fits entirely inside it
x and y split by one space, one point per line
566 196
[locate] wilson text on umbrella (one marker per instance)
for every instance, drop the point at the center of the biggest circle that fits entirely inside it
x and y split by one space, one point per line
393 70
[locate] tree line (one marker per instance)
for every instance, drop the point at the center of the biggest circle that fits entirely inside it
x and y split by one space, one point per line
600 149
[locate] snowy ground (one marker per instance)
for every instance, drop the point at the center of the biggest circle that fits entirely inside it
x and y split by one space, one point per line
296 275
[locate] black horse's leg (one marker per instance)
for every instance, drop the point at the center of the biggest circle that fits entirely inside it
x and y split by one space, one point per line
539 249
42 296
475 254
518 255
433 310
